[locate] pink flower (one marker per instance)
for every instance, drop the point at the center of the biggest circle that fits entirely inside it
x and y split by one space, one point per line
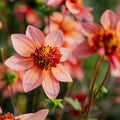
22 10
76 7
42 57
16 82
40 115
54 3
105 41
69 27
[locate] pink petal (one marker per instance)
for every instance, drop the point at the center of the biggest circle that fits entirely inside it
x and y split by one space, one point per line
32 79
35 35
0 110
109 19
88 17
115 72
118 29
61 74
84 50
89 28
50 85
24 116
55 39
66 53
40 115
23 45
71 7
19 63
54 3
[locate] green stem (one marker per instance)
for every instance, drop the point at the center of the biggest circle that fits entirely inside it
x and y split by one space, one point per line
102 82
92 91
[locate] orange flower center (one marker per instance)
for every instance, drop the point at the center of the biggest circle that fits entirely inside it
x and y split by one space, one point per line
7 116
46 57
67 27
76 1
107 40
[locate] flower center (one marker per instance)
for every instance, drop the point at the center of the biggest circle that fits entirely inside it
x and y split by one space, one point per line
7 116
76 1
66 27
107 40
46 57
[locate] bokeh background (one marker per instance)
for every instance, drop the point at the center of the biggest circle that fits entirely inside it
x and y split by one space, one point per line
15 20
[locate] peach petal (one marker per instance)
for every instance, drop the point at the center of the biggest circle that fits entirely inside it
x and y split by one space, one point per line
50 85
78 37
0 110
61 74
23 45
88 16
35 35
54 3
115 72
55 39
89 28
118 28
84 50
66 53
19 63
71 7
109 19
40 115
32 79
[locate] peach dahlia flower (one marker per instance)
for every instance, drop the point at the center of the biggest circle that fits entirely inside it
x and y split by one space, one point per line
42 58
40 115
105 40
76 7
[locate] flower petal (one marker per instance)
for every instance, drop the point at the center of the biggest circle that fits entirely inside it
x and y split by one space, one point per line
40 115
66 52
109 19
19 63
61 74
55 39
115 72
71 7
118 29
32 79
84 50
50 85
89 28
23 45
36 35
88 16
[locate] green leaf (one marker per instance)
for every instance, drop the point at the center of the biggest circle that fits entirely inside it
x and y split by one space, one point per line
55 103
75 103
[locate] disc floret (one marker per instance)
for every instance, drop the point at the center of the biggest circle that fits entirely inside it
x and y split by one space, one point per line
46 57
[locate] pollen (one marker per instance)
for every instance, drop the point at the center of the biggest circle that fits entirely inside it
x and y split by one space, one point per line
7 116
46 57
108 40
